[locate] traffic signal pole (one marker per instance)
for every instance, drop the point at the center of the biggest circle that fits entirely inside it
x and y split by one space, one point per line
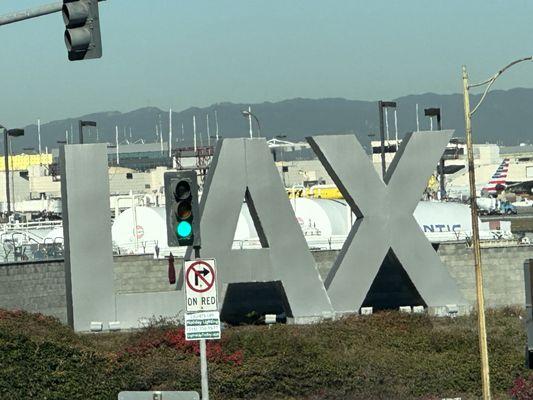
31 13
6 169
183 229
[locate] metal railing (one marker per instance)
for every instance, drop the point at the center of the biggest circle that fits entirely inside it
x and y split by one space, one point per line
12 252
25 226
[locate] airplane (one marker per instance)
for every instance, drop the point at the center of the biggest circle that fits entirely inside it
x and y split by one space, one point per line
498 181
524 188
491 188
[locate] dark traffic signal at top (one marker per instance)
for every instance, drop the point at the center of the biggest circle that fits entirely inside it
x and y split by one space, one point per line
183 219
82 34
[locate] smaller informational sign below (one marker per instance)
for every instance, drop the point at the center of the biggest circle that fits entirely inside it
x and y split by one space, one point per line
200 285
202 325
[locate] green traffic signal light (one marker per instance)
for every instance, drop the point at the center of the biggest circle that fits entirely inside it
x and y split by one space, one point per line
184 229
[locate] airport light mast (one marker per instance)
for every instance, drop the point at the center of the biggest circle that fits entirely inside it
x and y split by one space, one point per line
7 134
483 350
248 114
81 125
435 112
381 105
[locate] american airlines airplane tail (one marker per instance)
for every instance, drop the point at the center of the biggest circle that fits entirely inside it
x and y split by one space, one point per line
498 181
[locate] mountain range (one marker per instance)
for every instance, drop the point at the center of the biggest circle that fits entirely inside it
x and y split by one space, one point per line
503 118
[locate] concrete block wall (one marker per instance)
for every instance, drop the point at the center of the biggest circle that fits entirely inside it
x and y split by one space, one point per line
324 261
138 274
40 286
34 287
503 272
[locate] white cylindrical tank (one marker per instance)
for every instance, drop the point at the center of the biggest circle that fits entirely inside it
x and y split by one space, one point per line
151 228
320 220
139 226
443 221
316 217
321 217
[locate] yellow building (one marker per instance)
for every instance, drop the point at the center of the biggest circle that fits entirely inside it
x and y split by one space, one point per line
21 162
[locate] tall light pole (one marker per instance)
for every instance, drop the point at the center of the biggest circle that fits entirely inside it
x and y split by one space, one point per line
9 133
381 106
81 125
435 112
282 166
483 350
248 114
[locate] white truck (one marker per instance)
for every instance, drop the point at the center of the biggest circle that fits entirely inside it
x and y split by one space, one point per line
493 206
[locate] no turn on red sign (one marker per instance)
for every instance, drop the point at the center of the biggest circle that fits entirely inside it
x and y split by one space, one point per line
200 285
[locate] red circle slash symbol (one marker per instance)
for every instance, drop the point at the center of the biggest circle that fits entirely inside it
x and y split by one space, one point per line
200 273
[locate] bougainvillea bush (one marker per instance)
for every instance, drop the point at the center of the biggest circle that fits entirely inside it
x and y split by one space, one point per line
522 388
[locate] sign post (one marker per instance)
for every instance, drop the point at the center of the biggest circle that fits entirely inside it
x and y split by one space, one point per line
202 318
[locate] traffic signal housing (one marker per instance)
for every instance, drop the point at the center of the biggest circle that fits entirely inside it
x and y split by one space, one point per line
183 216
82 33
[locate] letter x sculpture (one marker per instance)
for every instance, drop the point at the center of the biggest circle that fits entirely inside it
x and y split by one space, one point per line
384 210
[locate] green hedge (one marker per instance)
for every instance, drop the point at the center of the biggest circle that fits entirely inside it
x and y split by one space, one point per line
384 356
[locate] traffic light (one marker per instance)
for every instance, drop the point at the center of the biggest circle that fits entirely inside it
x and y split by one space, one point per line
82 34
183 217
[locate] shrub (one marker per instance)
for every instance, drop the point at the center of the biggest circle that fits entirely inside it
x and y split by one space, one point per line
387 355
54 370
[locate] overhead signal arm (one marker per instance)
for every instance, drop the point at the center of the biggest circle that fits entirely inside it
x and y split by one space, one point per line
82 23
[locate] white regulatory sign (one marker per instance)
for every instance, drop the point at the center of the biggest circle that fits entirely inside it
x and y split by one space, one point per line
202 325
200 285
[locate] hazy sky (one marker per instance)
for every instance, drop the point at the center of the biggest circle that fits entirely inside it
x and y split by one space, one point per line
170 53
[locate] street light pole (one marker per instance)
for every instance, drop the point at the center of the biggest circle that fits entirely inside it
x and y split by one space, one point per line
6 169
7 134
81 125
282 166
483 350
81 131
382 138
442 176
381 106
248 114
436 112
250 122
485 373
